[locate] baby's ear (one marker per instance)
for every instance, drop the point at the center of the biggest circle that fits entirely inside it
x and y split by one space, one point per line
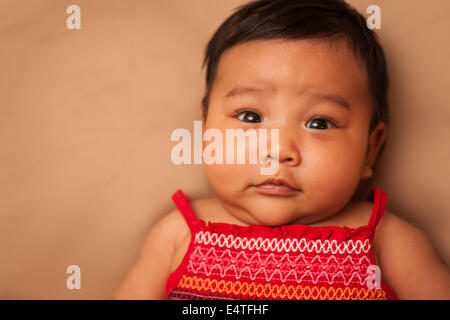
376 140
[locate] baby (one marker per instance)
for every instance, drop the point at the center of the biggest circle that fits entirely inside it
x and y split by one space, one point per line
314 71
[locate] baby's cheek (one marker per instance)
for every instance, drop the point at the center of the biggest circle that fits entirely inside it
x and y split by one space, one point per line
230 178
332 183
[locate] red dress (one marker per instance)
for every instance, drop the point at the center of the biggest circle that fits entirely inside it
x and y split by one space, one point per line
227 261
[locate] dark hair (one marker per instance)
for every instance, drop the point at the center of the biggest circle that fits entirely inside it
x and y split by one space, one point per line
327 20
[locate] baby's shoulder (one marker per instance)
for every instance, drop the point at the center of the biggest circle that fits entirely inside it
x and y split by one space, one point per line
391 231
174 227
361 212
394 229
169 229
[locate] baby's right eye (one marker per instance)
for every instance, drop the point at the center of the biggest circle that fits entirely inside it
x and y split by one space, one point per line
249 116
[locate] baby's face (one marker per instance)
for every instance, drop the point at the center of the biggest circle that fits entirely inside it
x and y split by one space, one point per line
318 98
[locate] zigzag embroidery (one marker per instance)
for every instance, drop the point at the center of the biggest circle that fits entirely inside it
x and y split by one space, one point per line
268 291
255 267
299 277
277 259
287 245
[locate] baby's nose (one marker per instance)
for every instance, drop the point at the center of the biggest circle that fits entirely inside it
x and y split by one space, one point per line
285 150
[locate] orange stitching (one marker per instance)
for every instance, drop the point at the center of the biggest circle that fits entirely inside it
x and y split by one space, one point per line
268 291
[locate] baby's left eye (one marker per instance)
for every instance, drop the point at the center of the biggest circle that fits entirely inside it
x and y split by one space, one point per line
321 123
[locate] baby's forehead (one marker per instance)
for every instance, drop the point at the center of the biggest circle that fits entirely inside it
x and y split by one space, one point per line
293 64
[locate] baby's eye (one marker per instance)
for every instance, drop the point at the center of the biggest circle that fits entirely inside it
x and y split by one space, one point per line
249 116
321 123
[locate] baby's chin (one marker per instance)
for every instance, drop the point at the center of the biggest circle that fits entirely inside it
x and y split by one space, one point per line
270 211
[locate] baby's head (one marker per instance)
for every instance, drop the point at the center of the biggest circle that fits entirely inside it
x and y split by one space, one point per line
313 70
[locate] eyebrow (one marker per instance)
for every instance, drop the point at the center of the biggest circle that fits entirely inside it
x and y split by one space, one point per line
337 99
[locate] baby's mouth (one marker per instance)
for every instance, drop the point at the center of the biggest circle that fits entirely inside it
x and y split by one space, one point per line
275 186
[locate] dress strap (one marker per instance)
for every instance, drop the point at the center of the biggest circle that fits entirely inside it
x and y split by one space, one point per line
183 205
379 198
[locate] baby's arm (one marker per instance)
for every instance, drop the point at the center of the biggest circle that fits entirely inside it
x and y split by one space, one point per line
147 278
408 262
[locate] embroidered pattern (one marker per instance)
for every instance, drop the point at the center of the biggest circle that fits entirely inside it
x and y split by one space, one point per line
282 245
278 267
268 291
272 268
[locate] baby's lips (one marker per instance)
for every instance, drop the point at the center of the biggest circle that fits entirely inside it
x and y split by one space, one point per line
278 181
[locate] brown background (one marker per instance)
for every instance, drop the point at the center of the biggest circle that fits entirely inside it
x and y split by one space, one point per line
86 117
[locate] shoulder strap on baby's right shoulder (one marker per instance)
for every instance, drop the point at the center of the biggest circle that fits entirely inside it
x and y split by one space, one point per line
184 207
